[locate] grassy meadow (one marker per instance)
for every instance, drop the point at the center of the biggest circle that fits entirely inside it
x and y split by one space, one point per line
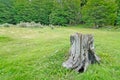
38 54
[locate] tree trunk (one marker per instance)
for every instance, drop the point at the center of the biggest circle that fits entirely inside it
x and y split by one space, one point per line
81 52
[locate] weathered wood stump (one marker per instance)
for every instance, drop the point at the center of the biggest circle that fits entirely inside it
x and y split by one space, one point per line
81 52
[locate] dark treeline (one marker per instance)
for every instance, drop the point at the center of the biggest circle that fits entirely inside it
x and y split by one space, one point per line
61 12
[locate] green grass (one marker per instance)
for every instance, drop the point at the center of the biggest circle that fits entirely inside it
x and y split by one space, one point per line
38 54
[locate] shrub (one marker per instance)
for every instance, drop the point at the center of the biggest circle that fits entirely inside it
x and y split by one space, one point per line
30 25
99 12
58 17
6 25
22 24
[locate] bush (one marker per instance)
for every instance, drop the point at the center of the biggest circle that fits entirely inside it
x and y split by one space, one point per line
22 24
30 25
58 17
118 18
6 25
100 12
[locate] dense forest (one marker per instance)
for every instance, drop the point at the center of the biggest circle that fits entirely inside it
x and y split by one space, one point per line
61 12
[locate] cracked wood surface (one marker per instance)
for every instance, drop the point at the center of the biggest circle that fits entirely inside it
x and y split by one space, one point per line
81 52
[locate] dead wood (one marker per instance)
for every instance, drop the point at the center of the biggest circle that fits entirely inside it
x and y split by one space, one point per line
81 53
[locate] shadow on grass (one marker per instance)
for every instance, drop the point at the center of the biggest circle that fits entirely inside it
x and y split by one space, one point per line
5 39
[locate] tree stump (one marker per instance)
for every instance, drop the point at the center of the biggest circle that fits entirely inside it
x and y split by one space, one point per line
81 53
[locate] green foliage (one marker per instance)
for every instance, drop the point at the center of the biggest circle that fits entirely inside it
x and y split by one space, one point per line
6 11
35 10
118 13
60 12
118 18
74 11
14 11
100 12
66 12
58 17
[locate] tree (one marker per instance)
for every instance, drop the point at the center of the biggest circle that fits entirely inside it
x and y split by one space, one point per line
59 17
74 11
6 14
61 12
118 13
66 12
99 12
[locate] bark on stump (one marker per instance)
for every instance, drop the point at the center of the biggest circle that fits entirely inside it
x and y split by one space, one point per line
81 52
